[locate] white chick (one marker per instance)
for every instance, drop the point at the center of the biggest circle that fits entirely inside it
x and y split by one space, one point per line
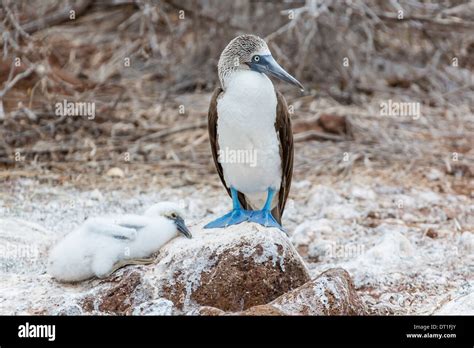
101 243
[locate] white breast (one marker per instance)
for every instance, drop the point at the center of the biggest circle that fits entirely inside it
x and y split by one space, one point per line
248 141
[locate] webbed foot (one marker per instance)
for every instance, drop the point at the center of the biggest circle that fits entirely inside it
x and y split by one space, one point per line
235 217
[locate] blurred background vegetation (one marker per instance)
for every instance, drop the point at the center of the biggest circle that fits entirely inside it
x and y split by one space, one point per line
149 67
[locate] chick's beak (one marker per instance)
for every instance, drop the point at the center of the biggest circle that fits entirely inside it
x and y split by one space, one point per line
182 227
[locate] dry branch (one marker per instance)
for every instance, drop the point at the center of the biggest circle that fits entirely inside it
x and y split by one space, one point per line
11 83
171 58
164 133
58 17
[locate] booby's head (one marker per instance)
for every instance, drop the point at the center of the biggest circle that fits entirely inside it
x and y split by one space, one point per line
250 52
172 212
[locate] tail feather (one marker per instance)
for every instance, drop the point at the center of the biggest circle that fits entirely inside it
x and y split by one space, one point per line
277 214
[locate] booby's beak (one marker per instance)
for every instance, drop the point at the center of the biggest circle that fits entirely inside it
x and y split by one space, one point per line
268 65
182 227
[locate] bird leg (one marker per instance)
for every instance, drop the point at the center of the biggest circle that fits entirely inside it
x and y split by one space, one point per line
236 216
264 217
123 263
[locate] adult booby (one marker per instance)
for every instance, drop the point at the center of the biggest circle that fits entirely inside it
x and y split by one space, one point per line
247 115
102 245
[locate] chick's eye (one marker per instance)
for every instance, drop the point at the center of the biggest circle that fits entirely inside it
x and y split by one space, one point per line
256 59
174 216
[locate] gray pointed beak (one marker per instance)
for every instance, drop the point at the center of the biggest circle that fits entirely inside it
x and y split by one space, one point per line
182 227
269 66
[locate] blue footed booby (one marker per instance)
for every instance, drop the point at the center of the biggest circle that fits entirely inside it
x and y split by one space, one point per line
247 115
102 245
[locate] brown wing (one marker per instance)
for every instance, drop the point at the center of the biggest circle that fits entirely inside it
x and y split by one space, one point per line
285 134
212 128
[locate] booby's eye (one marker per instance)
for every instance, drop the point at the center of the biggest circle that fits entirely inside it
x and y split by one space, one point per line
256 58
174 215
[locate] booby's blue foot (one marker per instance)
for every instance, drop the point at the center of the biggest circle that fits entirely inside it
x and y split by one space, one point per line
265 218
235 217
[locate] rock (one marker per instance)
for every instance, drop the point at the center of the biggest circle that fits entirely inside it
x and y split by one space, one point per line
160 306
323 196
363 193
23 246
461 170
96 195
231 270
431 233
462 305
466 243
308 231
263 310
303 184
408 217
326 202
126 291
428 198
331 293
115 172
341 211
122 129
210 311
392 246
401 201
393 252
320 249
305 126
434 174
25 289
333 123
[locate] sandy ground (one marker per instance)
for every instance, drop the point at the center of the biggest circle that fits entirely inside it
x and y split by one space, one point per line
408 244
